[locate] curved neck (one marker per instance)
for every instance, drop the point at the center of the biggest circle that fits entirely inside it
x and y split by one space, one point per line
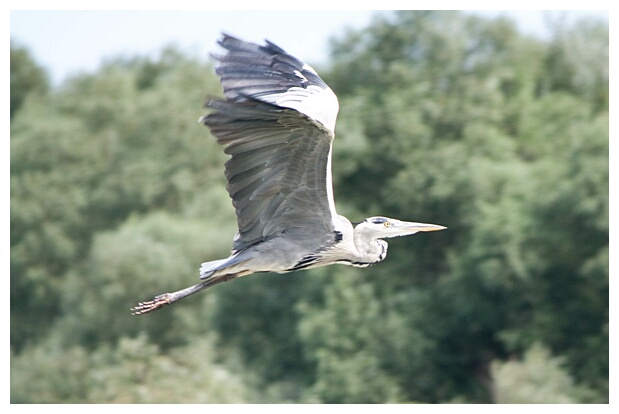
358 246
370 250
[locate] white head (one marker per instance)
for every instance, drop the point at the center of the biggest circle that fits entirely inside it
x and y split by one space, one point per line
374 228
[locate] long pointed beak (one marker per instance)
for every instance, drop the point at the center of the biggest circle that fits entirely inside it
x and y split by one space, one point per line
411 227
428 227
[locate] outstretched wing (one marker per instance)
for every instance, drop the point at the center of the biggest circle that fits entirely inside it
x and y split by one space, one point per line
279 141
267 73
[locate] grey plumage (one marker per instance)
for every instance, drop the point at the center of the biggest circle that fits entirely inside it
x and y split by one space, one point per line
278 162
276 122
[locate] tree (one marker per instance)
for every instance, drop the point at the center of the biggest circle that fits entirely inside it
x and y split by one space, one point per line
103 147
26 77
460 125
538 379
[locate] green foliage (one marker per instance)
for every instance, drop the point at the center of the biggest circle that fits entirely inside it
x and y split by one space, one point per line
473 132
133 371
538 379
101 149
132 263
27 78
117 194
346 337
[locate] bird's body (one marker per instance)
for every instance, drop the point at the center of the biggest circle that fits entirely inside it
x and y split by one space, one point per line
277 124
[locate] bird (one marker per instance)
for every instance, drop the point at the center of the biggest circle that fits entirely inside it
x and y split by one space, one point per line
276 122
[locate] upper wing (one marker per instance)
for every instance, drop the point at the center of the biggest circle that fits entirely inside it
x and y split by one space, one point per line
279 174
269 74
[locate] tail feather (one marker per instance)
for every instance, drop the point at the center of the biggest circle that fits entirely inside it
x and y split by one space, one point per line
210 269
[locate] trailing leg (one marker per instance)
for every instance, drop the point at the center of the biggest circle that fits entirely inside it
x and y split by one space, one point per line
168 298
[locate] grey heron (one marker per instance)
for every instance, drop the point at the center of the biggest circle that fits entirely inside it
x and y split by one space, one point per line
277 123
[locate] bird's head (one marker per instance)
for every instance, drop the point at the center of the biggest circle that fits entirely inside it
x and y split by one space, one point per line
384 227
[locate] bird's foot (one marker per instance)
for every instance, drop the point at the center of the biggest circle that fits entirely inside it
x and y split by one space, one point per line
151 305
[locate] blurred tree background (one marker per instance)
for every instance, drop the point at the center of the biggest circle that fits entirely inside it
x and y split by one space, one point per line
117 194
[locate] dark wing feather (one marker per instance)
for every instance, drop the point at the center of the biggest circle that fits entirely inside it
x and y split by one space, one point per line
276 173
277 125
252 70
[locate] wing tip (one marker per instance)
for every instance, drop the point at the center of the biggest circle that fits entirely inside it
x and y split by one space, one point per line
281 79
235 43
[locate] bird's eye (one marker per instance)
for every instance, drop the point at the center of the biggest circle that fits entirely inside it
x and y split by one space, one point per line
387 224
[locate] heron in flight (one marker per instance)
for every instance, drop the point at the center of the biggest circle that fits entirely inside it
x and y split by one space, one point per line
277 122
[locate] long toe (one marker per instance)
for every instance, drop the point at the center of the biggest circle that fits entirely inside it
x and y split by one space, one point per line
151 305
